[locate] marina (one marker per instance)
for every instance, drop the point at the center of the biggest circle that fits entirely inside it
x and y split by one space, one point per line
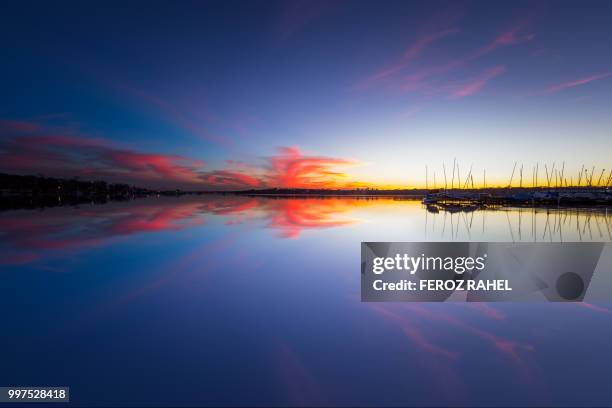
592 188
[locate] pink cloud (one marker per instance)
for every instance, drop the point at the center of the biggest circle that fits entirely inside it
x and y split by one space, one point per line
487 310
18 126
36 238
411 54
508 347
175 115
187 111
570 84
416 49
229 178
420 80
298 14
412 332
431 79
513 36
170 166
302 385
593 307
475 85
410 112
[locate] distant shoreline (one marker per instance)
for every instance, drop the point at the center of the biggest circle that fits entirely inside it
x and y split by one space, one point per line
17 192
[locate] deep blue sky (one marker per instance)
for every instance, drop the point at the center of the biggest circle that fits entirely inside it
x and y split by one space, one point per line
236 94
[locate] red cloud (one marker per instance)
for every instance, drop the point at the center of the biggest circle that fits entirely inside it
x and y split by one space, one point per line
292 216
67 155
290 168
289 216
577 82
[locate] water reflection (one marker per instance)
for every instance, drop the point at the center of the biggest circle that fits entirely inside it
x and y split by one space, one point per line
288 216
194 291
522 224
27 234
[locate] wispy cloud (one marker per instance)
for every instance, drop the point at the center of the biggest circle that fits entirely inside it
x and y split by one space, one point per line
475 85
427 79
416 49
230 179
410 112
298 14
413 52
175 115
412 332
18 126
513 36
411 75
577 82
304 389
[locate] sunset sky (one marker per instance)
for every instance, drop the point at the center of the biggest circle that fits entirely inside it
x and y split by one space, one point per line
254 94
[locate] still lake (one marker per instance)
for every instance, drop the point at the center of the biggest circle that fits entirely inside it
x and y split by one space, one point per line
228 300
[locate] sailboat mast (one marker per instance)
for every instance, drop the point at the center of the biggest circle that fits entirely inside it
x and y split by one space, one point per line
512 175
600 176
484 177
453 179
467 180
562 173
458 177
444 170
552 171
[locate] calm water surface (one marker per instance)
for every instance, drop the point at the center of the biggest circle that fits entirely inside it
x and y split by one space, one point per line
236 300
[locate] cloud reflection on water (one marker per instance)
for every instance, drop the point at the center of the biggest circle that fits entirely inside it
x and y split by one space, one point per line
26 235
216 255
